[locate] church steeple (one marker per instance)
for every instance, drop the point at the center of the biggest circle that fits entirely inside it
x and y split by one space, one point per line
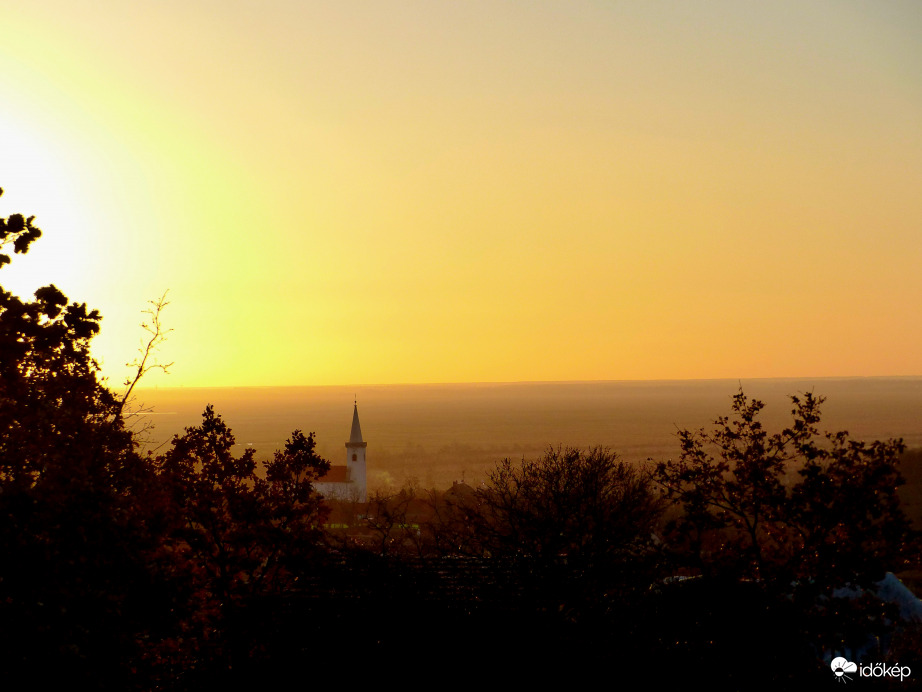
356 436
355 456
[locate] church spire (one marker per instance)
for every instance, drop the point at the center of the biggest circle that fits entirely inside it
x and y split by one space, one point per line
356 436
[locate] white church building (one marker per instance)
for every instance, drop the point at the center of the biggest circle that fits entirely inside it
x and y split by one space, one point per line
347 483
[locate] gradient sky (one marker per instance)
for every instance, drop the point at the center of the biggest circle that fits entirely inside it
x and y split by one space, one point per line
434 191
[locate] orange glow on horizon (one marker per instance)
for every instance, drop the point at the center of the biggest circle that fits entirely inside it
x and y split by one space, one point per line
433 192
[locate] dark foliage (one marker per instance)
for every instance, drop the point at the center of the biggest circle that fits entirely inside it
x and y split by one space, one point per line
236 538
793 506
796 515
78 510
119 571
572 532
18 231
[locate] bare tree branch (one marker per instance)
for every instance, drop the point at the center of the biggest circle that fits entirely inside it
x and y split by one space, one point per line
144 363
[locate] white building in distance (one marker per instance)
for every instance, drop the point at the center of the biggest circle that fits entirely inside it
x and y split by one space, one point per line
347 483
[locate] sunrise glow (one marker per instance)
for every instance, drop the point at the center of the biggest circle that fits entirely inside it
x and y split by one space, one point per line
380 192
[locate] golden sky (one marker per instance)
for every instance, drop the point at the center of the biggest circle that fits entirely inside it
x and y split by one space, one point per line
440 191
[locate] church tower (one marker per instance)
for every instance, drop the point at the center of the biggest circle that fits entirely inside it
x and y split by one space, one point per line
355 456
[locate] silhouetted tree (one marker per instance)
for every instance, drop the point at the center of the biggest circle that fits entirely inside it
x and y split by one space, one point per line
241 537
79 510
574 530
389 517
793 505
773 524
780 521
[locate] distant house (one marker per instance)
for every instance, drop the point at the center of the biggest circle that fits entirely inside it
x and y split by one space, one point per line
460 493
347 482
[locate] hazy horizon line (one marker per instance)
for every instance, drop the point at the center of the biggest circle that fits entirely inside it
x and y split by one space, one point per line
537 382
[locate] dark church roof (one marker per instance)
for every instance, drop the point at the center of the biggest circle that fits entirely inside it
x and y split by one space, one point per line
356 436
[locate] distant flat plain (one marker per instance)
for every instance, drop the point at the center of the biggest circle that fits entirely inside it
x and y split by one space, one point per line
436 434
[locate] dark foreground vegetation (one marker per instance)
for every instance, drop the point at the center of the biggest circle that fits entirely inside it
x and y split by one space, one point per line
196 569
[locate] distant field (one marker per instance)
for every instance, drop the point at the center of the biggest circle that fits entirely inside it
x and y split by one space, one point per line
440 433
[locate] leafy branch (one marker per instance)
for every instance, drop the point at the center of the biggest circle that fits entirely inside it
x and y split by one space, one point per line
18 231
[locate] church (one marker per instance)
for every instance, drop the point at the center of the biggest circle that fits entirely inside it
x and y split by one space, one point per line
347 483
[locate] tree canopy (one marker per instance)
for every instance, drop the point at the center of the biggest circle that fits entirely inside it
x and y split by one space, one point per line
119 568
792 506
77 509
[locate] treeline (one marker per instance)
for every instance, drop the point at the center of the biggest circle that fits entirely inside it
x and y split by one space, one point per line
195 569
